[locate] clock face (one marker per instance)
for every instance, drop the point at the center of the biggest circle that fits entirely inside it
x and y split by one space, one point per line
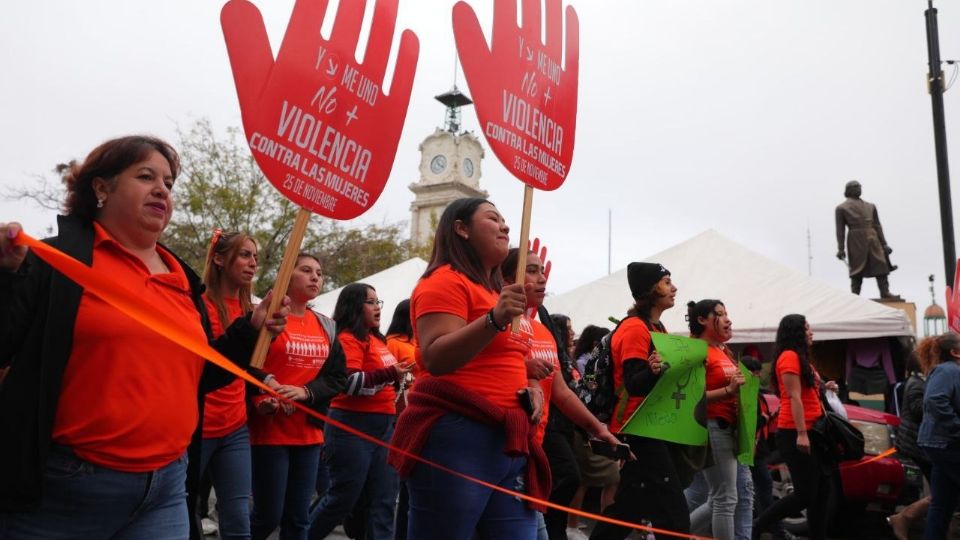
438 164
468 167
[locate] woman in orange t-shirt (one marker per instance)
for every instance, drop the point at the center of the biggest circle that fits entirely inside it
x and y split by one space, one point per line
97 411
555 392
465 410
306 364
709 321
225 448
649 486
404 348
368 404
798 384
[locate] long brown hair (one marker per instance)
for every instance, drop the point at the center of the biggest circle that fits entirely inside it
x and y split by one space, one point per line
450 248
228 246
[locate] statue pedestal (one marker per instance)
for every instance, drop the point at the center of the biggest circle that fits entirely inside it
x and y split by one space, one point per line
907 307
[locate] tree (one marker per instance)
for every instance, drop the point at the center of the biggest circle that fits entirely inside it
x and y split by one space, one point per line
221 186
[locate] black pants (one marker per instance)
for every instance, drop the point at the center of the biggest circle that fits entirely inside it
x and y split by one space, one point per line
650 489
811 476
566 478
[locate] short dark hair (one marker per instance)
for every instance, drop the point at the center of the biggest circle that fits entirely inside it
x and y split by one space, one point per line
508 268
450 248
947 343
348 312
695 310
107 161
589 337
400 324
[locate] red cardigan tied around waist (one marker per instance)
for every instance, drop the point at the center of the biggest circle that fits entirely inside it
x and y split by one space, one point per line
431 398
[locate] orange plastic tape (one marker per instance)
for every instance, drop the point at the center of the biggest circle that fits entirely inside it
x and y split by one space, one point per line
128 303
881 455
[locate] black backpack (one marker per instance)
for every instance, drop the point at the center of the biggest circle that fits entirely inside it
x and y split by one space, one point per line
596 389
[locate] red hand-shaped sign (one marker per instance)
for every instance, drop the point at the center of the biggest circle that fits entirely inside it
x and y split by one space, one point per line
318 123
541 252
526 101
953 302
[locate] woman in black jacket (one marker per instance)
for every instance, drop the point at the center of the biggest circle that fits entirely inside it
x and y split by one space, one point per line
911 415
97 410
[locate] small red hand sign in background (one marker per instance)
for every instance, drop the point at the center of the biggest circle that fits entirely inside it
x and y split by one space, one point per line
541 251
525 99
318 122
953 302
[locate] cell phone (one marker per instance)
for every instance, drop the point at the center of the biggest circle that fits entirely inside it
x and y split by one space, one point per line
526 402
603 448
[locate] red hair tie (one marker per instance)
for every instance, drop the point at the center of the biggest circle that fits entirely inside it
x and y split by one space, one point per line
217 233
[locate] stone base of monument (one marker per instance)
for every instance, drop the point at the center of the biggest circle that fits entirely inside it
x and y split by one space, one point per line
907 307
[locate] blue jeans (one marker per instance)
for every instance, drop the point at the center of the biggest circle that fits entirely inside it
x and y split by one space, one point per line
228 459
721 480
445 507
323 476
542 527
698 496
356 465
743 517
284 478
944 491
82 500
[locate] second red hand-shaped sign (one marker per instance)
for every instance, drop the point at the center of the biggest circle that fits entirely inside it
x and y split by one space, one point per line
526 100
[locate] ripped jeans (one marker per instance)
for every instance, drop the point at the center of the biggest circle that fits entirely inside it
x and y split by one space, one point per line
447 507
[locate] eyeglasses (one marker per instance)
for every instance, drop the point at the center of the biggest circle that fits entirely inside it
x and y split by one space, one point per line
378 303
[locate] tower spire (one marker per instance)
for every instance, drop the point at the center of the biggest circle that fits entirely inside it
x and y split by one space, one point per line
453 100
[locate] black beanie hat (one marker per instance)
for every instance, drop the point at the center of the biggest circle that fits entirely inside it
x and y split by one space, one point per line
642 276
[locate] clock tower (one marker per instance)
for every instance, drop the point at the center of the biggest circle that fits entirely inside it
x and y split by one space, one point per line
449 170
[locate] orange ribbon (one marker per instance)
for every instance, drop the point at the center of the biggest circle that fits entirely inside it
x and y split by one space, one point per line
881 455
127 302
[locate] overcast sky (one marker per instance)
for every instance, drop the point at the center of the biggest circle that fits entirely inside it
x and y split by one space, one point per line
745 116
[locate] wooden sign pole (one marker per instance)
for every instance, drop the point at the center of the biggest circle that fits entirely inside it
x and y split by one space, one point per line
524 242
280 286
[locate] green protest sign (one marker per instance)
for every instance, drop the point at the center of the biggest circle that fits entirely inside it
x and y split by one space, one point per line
675 410
747 417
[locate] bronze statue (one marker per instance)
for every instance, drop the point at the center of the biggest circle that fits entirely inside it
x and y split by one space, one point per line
866 246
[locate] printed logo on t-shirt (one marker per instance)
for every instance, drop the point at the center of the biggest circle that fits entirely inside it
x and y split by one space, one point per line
545 350
729 372
524 336
306 351
386 357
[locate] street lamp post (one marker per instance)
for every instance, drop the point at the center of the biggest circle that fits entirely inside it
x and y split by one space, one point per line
935 80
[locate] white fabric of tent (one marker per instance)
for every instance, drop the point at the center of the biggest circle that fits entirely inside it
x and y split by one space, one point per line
757 292
393 285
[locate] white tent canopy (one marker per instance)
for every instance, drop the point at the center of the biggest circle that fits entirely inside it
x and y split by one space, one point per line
393 285
757 292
